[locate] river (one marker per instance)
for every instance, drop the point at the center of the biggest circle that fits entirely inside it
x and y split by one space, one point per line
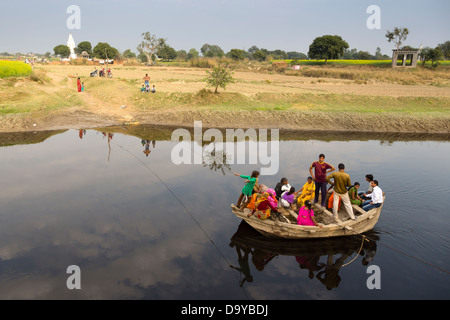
139 226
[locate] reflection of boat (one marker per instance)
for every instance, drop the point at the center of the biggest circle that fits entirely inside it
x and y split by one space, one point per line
285 226
308 253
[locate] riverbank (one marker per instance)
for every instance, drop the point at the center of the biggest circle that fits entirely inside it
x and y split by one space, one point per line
256 100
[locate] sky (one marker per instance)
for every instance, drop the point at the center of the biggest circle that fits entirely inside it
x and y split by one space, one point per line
289 25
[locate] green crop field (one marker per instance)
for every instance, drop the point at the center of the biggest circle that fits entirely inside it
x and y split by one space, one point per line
344 62
14 69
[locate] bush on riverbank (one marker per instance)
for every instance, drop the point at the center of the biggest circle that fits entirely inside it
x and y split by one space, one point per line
14 69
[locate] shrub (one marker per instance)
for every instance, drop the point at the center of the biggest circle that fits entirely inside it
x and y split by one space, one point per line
14 69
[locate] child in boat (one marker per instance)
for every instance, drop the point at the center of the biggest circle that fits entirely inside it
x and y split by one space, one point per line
306 216
287 198
247 190
263 207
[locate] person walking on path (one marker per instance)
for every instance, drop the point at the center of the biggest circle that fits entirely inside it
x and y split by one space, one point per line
321 169
79 84
341 181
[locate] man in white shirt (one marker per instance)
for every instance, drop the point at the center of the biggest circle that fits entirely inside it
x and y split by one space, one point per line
376 197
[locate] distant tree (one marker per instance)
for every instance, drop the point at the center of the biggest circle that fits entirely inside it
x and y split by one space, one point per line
279 54
364 55
219 77
253 49
84 46
166 52
445 47
259 55
327 47
62 50
237 54
398 36
47 54
150 45
182 55
192 54
433 55
143 57
127 54
211 51
104 51
294 55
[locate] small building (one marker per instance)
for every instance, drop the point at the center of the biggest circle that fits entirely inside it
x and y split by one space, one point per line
409 58
85 55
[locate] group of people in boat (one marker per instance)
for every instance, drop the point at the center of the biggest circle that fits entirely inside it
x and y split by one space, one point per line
264 201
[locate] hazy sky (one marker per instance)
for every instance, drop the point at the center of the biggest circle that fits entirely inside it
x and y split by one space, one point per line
290 25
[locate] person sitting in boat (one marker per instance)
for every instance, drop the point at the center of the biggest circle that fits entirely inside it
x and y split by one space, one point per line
306 216
247 190
287 198
282 186
376 197
263 207
353 194
369 178
308 192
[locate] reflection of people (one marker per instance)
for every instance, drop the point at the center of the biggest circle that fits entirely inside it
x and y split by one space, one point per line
309 262
243 264
341 181
321 169
147 147
308 192
330 276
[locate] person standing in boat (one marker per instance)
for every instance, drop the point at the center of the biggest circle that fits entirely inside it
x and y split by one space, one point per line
341 181
247 190
376 197
321 169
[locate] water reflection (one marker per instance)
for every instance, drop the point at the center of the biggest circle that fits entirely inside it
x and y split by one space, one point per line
310 255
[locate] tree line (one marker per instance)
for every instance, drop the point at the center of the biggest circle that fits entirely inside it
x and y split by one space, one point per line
325 47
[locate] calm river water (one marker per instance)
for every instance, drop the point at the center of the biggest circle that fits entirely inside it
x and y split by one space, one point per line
111 205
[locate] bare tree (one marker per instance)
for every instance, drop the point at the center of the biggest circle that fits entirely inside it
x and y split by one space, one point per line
398 36
150 45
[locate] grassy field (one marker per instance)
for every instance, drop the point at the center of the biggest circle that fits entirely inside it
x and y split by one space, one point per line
313 90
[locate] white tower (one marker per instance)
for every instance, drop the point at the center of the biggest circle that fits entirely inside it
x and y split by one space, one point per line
71 45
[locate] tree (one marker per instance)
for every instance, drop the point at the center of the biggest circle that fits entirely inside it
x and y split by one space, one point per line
445 47
219 77
150 45
260 55
211 51
433 55
398 36
192 54
237 54
166 52
104 51
84 46
182 55
62 50
327 47
294 55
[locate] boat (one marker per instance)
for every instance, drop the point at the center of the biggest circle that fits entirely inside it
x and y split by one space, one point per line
285 225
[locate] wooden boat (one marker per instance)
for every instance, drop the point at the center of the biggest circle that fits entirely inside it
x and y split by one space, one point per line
285 225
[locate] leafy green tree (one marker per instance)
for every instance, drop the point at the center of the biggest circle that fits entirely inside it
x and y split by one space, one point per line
166 52
211 51
182 55
128 54
327 47
192 54
433 55
219 77
445 47
237 54
259 55
294 55
62 50
398 36
84 46
150 45
104 51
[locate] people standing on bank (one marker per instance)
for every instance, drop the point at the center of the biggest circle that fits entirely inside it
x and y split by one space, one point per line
376 197
341 181
147 80
321 169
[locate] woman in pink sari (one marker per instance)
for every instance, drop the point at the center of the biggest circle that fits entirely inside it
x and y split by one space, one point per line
306 216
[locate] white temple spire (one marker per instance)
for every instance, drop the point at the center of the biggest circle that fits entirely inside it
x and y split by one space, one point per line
71 45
